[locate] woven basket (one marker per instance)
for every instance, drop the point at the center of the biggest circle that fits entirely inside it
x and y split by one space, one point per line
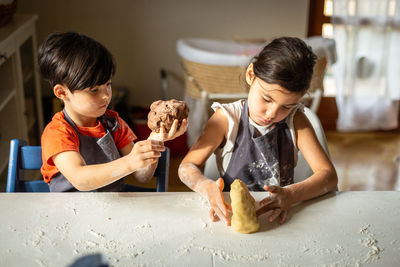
317 81
212 79
228 79
7 12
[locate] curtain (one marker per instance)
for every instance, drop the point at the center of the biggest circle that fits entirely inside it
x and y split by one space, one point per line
367 73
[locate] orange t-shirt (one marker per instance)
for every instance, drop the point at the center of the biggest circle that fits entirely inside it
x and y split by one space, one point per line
59 136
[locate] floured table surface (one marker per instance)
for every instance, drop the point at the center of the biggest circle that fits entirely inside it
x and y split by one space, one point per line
173 229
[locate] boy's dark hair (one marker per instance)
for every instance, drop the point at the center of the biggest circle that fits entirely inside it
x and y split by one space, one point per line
286 61
75 60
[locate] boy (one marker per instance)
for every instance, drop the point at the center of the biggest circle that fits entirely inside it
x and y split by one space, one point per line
87 147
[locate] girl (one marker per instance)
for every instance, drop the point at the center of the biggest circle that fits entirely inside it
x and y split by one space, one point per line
257 140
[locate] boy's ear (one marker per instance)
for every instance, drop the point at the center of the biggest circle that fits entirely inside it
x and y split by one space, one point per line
250 76
60 91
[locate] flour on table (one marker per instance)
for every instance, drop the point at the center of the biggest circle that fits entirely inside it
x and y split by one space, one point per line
371 243
41 263
222 254
364 229
143 226
63 229
96 234
204 224
36 241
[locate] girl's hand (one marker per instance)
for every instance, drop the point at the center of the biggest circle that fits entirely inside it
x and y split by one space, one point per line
213 192
278 202
173 133
145 153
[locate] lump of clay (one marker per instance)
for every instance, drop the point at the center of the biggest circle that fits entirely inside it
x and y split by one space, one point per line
244 219
166 112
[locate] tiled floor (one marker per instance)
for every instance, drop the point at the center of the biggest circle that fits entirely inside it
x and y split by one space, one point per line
363 161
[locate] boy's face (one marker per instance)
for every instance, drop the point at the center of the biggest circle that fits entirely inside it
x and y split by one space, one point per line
269 103
89 102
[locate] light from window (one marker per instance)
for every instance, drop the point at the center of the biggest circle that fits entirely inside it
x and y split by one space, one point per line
328 8
327 30
392 8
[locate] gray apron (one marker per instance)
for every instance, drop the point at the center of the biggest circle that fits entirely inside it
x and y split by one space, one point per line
260 160
94 151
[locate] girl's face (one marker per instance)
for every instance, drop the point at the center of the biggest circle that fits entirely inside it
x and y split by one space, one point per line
268 103
85 106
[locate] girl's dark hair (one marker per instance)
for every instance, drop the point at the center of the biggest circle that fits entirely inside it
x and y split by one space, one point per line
75 60
286 61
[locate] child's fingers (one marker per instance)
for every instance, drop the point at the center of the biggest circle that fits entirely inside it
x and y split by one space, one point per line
220 184
213 216
282 217
162 129
262 210
275 214
182 129
272 188
173 129
229 207
149 142
221 205
219 213
150 145
266 201
220 209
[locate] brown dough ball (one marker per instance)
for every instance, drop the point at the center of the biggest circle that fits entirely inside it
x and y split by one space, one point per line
166 112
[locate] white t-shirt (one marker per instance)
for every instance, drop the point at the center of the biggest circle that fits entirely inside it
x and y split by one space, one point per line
233 112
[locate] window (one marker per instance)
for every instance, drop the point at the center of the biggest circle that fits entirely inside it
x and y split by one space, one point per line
319 23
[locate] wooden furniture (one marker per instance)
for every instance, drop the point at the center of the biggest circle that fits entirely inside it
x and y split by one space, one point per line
173 229
21 113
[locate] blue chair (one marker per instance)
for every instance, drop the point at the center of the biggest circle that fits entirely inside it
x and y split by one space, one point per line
23 157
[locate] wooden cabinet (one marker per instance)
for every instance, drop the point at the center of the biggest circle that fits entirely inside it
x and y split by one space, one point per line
21 114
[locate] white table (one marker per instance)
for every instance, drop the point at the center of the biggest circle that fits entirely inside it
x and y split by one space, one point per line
172 229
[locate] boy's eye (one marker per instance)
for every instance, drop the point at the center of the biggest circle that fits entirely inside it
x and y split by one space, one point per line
267 100
94 90
286 108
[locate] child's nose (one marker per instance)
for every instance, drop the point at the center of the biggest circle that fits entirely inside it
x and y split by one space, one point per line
107 92
271 111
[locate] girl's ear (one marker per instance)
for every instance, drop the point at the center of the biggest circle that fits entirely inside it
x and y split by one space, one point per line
250 76
60 91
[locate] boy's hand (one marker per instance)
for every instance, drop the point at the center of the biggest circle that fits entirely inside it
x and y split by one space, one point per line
213 192
278 201
145 153
173 133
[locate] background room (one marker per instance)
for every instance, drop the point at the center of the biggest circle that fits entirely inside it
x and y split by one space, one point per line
143 36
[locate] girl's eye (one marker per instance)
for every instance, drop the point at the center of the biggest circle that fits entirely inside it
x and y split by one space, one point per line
285 108
94 90
267 100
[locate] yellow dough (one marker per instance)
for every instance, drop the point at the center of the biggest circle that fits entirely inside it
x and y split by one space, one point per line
244 219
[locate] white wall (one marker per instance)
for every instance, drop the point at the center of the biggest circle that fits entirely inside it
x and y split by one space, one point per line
142 34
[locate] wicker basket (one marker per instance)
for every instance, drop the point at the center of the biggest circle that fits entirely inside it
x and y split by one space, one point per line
7 12
317 81
229 79
212 79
